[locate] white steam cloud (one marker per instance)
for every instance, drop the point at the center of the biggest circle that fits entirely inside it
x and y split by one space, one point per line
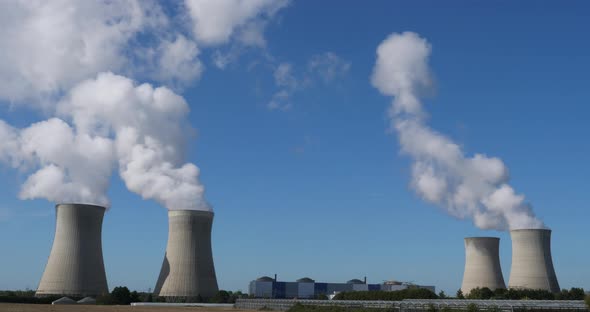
66 58
149 127
473 187
67 166
217 22
104 123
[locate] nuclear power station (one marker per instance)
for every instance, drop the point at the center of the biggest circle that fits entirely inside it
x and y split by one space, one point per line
188 270
532 266
75 266
482 264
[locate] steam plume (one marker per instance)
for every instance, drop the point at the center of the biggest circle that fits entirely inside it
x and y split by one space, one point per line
67 166
51 58
105 122
148 126
474 187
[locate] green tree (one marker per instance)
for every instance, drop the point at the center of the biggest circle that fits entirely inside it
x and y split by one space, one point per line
121 295
576 293
442 294
221 296
134 297
480 293
587 299
460 294
409 293
499 293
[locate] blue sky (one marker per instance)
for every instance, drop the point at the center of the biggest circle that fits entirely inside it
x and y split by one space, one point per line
320 188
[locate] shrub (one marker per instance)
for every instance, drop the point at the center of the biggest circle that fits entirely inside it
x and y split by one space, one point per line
587 299
472 307
480 293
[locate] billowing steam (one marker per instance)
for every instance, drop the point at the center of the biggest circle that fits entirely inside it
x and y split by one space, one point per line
57 57
473 187
111 122
149 127
67 166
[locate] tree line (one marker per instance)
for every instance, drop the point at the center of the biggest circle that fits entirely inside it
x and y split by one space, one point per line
476 293
573 293
120 295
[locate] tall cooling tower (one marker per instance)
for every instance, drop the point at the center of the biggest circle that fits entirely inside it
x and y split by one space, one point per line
482 264
188 269
532 266
75 266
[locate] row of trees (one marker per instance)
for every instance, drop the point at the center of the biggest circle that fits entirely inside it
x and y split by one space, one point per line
518 294
408 293
477 293
120 295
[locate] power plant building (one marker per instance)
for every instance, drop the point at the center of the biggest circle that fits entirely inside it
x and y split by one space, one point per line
482 264
188 271
267 287
75 266
532 265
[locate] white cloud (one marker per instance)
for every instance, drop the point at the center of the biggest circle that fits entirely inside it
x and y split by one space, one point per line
217 22
402 70
284 79
105 122
149 127
60 159
47 46
178 61
473 187
51 54
326 67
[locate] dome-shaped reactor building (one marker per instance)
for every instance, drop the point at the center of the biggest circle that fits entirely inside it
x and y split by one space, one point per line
532 264
75 266
482 264
188 271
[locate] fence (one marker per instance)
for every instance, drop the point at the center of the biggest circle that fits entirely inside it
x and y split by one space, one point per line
420 305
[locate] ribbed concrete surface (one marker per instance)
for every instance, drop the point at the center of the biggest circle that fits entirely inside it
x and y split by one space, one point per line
188 270
75 266
532 266
482 264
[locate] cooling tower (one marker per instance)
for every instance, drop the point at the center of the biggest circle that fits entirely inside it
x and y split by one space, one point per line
75 266
532 267
188 270
482 264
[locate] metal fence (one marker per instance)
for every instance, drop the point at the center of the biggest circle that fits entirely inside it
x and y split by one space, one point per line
420 305
285 304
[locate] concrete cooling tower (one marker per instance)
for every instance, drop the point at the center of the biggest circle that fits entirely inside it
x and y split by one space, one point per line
75 266
482 264
532 266
188 271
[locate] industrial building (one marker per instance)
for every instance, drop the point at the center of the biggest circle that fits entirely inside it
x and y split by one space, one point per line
532 264
75 266
482 264
188 271
267 287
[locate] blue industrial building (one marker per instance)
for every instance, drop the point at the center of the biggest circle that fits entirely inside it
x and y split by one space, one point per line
267 287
